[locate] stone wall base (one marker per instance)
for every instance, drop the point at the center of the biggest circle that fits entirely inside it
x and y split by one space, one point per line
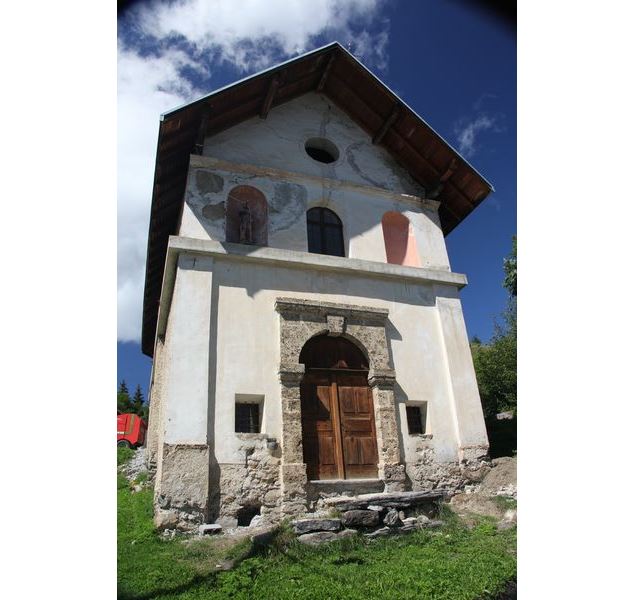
181 493
190 492
250 488
428 474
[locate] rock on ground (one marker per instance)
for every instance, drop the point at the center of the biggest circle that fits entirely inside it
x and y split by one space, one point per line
319 537
309 525
392 518
501 480
482 499
360 518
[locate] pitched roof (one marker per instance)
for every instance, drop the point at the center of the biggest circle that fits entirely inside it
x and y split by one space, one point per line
334 72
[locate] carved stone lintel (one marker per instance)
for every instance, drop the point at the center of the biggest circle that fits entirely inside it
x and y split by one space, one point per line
336 325
381 378
291 374
295 307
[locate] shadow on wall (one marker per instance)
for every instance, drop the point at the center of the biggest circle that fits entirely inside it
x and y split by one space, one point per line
502 437
214 491
336 283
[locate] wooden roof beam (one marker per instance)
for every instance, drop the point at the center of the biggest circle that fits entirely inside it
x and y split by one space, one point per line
202 130
460 193
325 74
271 92
440 184
387 124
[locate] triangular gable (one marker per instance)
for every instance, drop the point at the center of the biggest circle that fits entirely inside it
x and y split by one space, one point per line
334 72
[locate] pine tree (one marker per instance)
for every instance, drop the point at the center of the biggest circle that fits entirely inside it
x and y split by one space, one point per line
137 402
124 404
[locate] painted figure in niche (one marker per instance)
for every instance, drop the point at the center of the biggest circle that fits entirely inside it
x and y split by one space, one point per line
245 229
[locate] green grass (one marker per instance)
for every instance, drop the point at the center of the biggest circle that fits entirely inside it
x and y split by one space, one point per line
124 454
452 563
505 503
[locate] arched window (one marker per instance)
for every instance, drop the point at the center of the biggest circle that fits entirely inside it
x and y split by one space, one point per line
399 239
246 216
324 231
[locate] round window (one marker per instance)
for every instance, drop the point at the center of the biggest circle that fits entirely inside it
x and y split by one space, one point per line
322 150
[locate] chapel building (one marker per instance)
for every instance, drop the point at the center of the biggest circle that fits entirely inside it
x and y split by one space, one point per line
304 322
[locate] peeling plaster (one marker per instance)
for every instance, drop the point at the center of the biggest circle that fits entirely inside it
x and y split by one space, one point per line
287 205
208 182
214 211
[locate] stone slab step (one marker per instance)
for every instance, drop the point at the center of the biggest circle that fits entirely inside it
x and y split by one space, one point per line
349 487
310 525
387 500
319 537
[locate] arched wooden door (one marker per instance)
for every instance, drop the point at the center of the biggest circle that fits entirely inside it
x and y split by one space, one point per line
338 419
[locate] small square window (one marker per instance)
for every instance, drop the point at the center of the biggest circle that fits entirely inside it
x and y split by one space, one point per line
248 413
416 415
247 418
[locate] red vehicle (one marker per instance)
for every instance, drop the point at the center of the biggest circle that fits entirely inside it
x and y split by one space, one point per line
131 430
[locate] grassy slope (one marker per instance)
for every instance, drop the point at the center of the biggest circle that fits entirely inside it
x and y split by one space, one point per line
451 563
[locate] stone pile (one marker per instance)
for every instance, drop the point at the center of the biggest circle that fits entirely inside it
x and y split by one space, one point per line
373 515
136 465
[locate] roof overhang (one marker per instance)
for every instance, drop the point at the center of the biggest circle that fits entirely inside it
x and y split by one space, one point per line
334 72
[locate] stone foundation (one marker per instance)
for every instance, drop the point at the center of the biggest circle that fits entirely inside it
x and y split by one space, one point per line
182 489
252 487
429 474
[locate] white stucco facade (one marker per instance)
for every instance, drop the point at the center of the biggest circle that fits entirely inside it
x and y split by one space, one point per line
220 337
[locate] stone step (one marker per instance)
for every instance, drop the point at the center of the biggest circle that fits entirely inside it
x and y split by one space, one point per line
386 500
325 488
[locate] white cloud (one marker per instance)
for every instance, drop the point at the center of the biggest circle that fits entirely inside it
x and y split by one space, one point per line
146 88
197 35
250 33
466 133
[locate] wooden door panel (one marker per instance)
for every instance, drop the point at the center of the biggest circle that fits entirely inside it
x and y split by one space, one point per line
318 435
351 451
326 452
368 451
358 426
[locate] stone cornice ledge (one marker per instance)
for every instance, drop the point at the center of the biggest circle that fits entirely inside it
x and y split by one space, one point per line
355 267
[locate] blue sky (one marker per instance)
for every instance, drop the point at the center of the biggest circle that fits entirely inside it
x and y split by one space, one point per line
454 65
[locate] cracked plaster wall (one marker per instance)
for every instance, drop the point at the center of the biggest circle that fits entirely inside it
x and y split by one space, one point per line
280 144
282 135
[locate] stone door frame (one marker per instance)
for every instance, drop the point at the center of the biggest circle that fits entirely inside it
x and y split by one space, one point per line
364 326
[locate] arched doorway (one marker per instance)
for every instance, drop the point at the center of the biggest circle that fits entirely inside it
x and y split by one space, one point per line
338 419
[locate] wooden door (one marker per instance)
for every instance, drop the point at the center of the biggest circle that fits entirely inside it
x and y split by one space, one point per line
338 425
357 419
